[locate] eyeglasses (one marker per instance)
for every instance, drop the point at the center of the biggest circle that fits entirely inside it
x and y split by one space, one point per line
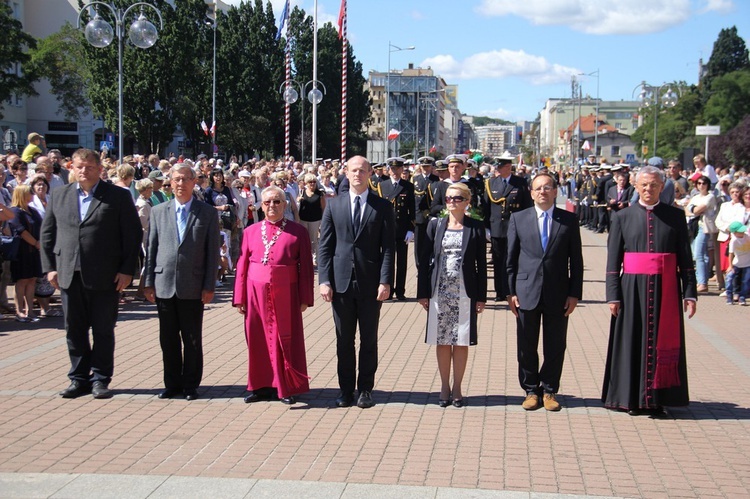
702 183
455 199
543 188
312 183
274 202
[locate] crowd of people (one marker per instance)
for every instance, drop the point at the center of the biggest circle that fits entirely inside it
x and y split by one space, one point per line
182 226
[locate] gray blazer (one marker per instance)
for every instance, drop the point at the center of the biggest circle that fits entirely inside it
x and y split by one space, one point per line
184 269
107 241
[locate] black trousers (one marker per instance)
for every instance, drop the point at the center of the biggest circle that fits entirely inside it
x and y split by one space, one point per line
420 234
181 325
499 257
349 309
86 309
402 255
555 327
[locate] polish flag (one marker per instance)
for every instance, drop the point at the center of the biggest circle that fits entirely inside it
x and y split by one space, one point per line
393 134
213 129
204 127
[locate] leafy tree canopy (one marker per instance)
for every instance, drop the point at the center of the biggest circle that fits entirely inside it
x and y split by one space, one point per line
13 54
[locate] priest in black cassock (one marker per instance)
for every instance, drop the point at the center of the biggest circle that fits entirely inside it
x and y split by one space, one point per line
650 282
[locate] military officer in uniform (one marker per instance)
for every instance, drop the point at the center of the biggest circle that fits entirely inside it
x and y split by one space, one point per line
504 194
476 184
456 168
401 193
422 200
441 170
605 181
377 176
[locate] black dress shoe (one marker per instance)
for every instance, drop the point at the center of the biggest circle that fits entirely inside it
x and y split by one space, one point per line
365 400
76 389
100 390
190 394
169 393
345 400
459 403
444 403
288 400
251 397
401 297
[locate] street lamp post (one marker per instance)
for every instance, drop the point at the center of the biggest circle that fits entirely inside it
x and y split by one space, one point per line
596 120
391 48
651 96
142 34
290 96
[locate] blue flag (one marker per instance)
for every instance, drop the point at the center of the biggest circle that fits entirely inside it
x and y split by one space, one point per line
283 20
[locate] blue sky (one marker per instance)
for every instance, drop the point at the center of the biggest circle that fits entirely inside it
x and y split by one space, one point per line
509 56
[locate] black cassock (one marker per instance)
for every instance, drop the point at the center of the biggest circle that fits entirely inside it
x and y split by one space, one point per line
634 333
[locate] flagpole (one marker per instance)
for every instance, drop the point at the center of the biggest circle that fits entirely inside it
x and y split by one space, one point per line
287 106
344 76
315 85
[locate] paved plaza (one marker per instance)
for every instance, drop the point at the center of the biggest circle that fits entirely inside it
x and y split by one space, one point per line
135 445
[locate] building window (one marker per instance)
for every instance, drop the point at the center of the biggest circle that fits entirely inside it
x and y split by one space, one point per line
618 125
615 151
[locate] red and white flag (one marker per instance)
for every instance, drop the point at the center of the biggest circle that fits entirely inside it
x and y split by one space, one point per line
393 134
213 129
342 18
204 127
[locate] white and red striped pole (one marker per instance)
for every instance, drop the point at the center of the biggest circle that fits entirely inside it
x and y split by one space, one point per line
344 75
287 117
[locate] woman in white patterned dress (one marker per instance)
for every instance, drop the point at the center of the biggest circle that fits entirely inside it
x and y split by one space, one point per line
452 287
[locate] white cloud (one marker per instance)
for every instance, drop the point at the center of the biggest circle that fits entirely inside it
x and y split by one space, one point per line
600 17
500 64
499 113
720 6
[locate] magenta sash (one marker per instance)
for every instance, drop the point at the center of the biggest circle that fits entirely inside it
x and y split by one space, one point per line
668 336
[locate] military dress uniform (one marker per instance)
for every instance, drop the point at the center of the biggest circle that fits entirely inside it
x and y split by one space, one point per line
401 194
502 198
422 200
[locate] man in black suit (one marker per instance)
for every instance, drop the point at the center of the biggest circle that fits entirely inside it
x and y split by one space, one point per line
618 195
180 277
606 181
355 269
401 194
545 278
422 199
504 194
90 239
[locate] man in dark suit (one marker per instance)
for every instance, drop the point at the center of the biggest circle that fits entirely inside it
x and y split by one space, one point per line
355 269
545 278
618 195
606 181
504 194
401 195
422 199
90 243
180 277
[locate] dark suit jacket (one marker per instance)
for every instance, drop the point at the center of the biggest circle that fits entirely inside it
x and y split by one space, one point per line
473 265
401 196
423 196
517 197
184 269
627 193
108 240
369 253
551 275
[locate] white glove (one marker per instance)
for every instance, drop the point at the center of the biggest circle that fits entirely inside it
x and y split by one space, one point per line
409 237
488 235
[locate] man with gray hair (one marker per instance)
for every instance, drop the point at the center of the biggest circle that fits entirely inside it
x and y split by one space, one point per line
650 281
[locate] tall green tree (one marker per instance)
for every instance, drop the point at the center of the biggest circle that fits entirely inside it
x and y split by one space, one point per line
329 74
13 52
249 69
729 54
60 58
729 102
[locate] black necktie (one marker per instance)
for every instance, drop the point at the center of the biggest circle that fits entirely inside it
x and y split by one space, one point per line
357 215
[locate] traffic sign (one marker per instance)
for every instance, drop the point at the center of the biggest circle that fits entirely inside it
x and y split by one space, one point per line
630 158
105 144
110 137
708 130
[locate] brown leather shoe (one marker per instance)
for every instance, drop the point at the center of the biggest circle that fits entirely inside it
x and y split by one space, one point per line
531 403
551 403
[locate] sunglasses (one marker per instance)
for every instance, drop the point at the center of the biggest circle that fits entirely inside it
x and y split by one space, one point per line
455 199
274 202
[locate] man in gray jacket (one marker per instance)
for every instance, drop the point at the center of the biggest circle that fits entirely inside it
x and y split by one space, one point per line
180 276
